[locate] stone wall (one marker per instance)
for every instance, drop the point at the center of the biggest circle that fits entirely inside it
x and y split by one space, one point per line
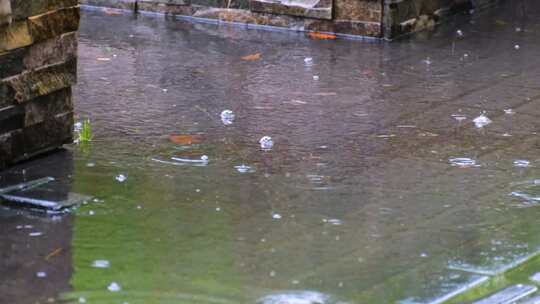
375 18
38 48
405 16
354 17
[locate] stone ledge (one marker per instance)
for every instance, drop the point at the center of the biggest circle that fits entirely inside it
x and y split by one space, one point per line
38 66
23 9
53 51
264 6
22 144
43 81
39 28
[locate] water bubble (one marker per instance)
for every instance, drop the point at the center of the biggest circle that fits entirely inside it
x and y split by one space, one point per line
204 158
243 168
90 165
78 126
521 163
315 77
91 212
463 162
121 178
272 273
114 287
41 274
101 264
276 216
459 33
423 255
82 300
481 121
33 234
509 111
427 61
266 143
518 29
517 47
227 117
308 60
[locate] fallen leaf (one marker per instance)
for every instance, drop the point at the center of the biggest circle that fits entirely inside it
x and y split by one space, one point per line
252 57
111 12
367 72
53 253
321 36
185 139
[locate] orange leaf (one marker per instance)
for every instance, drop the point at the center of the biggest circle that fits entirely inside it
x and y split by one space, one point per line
252 57
185 139
323 36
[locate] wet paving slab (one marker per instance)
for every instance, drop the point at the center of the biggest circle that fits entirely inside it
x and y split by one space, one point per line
380 186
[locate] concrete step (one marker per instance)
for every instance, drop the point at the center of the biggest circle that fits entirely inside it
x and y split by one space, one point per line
509 295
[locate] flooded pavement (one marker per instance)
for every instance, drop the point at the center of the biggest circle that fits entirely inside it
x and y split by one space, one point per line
392 173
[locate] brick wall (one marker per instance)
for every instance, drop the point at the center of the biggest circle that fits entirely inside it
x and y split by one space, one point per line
38 48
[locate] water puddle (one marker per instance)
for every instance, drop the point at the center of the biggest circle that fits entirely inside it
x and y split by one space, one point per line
355 163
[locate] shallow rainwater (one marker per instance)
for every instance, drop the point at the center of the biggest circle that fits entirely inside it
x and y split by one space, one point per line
357 201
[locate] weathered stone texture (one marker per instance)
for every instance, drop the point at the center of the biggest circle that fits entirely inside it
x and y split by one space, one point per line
405 16
38 66
375 18
355 17
39 82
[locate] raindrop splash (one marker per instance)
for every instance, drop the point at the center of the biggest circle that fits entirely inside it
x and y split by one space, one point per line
521 163
101 264
114 287
266 142
227 117
463 162
121 178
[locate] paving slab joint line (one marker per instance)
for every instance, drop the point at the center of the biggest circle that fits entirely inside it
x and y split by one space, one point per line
503 269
